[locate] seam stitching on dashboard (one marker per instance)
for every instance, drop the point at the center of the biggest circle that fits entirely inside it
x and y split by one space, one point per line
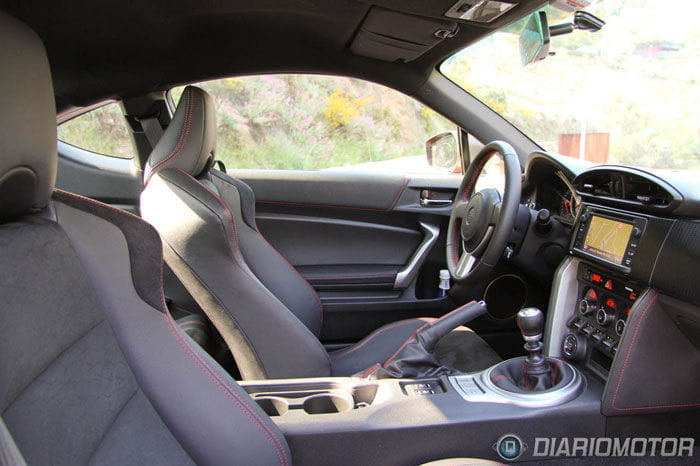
637 328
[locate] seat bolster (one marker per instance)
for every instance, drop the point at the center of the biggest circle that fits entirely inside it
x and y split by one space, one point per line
208 413
202 248
271 268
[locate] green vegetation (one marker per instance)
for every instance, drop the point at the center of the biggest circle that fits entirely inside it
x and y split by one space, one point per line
309 122
636 79
102 130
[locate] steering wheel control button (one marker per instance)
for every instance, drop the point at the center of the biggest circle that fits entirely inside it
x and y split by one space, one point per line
620 327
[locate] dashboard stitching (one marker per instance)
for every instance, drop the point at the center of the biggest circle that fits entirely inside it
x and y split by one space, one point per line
645 312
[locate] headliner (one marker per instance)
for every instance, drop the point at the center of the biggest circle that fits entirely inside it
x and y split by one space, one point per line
114 49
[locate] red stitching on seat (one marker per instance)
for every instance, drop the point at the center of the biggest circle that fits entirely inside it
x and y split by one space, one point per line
235 241
182 139
645 312
369 337
223 204
211 373
237 400
218 381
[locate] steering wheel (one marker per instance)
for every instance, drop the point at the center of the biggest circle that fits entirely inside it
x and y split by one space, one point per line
481 223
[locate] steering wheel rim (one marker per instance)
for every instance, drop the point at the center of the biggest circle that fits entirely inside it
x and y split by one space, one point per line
481 223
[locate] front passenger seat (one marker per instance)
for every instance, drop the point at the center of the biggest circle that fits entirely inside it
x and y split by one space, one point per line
269 316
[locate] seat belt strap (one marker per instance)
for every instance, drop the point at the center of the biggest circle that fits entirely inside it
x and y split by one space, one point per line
152 129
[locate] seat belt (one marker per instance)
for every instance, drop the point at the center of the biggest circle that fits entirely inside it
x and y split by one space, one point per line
152 129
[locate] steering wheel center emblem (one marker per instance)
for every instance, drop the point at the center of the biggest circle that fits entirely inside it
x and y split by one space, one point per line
471 214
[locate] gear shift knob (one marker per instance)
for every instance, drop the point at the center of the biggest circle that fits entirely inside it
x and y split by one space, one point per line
531 323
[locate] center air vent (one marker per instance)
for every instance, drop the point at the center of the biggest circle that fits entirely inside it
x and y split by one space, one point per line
626 187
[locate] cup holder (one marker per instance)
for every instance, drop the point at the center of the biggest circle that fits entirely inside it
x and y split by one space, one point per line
327 403
314 401
272 405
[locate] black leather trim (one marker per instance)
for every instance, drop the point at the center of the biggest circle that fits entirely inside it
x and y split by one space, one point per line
645 375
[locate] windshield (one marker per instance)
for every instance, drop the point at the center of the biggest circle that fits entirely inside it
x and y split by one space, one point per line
630 88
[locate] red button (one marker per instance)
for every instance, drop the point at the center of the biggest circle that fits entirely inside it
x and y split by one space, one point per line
628 311
592 294
609 285
596 278
611 303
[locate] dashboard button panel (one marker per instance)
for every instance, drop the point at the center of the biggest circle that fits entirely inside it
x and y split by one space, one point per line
598 322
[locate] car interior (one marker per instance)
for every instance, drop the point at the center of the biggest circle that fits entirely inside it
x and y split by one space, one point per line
173 308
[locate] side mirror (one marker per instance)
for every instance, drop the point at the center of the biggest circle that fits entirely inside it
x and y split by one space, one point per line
442 151
534 40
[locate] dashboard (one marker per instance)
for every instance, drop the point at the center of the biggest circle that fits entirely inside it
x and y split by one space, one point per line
630 230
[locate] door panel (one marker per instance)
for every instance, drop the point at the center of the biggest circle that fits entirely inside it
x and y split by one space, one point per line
352 235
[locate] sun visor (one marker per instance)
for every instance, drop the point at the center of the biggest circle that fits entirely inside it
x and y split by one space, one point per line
392 36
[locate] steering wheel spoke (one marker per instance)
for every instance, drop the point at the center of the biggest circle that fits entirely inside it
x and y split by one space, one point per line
465 264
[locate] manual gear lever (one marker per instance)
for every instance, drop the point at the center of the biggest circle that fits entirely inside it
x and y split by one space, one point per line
537 373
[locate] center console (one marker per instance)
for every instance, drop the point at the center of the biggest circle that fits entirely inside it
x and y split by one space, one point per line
609 242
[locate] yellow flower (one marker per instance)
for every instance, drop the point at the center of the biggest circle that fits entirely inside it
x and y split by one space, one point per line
340 108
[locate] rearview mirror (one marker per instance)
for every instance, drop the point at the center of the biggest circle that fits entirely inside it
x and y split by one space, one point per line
534 40
442 151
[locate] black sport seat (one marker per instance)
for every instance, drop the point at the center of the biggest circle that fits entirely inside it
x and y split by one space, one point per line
269 316
93 369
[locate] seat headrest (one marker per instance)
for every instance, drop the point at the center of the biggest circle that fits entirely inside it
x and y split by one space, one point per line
27 121
189 141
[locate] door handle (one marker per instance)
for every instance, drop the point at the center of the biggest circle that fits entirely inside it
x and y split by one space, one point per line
408 273
426 201
435 202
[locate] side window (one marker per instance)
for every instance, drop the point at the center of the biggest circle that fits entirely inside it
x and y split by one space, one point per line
310 122
103 130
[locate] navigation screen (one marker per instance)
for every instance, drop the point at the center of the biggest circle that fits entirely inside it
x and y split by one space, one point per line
607 239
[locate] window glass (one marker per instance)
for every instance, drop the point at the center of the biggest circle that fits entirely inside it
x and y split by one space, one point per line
626 94
103 130
309 122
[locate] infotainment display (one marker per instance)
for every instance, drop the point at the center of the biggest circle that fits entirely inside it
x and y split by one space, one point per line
607 238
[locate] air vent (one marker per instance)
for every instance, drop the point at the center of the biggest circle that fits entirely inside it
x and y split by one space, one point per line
624 186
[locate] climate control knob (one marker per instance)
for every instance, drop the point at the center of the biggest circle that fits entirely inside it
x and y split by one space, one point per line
587 307
620 327
604 318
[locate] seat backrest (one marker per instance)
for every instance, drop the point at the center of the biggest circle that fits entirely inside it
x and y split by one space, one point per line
269 316
93 368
